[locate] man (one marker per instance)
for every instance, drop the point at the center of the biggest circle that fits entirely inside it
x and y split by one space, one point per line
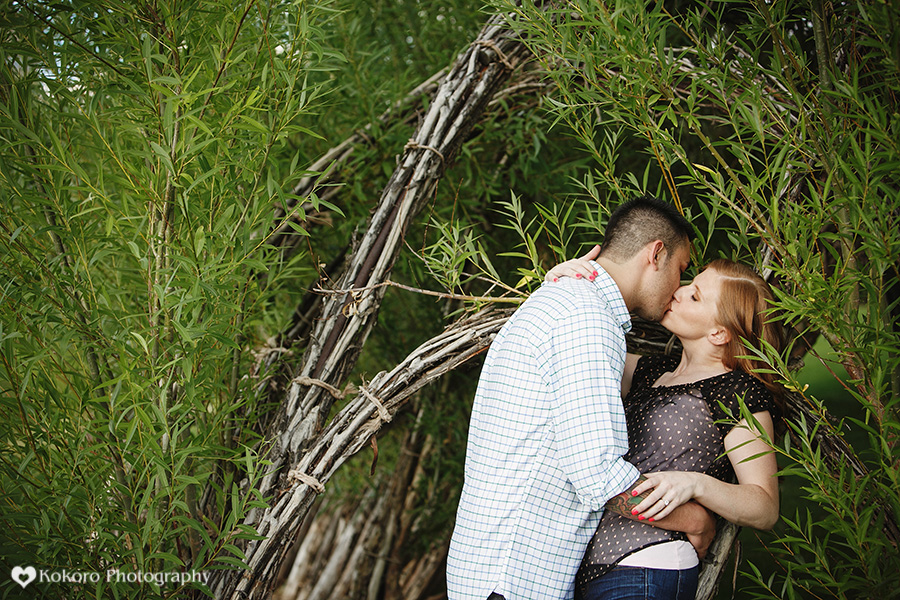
547 433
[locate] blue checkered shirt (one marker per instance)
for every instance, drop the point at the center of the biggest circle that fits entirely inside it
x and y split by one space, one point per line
545 444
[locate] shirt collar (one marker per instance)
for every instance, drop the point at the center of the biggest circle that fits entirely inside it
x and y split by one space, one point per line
609 291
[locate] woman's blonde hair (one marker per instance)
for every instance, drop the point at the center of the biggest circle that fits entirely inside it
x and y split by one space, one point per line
745 310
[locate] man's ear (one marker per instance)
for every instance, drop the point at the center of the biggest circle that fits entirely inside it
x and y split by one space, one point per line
719 336
656 252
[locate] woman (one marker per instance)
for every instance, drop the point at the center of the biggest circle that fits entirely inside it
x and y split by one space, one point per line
678 439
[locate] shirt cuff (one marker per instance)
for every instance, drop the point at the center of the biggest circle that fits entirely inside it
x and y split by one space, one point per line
622 475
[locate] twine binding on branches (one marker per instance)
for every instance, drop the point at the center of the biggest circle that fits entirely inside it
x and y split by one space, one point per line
312 482
338 394
382 410
491 45
413 144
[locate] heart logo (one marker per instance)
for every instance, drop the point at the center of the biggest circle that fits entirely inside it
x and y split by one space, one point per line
24 576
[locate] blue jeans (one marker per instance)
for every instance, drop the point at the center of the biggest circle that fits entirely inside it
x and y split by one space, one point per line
636 583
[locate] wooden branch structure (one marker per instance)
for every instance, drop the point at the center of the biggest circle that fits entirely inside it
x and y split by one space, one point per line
300 450
324 183
350 431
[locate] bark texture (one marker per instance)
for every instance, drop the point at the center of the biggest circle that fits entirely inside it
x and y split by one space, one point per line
378 555
302 453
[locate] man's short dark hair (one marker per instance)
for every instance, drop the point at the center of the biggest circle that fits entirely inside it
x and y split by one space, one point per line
640 221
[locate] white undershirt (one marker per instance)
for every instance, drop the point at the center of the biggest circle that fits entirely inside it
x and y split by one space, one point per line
675 555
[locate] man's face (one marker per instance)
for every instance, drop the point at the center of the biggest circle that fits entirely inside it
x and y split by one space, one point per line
658 294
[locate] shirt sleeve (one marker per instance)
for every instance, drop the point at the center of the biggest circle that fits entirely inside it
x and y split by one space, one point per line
755 394
646 372
585 360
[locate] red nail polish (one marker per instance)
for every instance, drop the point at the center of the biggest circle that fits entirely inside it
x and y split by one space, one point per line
577 275
650 520
634 492
556 279
634 511
596 273
641 518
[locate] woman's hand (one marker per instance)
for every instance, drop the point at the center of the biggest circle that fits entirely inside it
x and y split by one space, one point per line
752 502
576 267
668 490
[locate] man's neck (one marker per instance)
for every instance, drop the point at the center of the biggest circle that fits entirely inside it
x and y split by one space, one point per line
624 278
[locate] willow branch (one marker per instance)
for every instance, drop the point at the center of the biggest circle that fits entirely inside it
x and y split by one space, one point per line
358 292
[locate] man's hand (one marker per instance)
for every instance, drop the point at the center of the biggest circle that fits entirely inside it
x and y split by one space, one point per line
701 541
692 518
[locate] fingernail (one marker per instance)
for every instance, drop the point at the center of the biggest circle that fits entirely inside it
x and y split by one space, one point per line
596 273
634 492
641 518
578 276
650 520
634 511
556 279
591 278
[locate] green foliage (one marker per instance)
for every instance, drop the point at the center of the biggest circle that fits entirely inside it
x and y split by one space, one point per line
453 251
778 129
143 152
146 149
839 549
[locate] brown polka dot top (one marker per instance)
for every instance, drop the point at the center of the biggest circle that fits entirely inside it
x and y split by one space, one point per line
671 428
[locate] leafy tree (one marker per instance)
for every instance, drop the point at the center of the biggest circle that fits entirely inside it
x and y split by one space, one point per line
145 148
174 178
151 163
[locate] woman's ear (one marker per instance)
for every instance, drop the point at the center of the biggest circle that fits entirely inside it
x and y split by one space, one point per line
719 336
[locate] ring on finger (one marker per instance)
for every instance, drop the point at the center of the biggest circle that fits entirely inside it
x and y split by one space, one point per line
666 502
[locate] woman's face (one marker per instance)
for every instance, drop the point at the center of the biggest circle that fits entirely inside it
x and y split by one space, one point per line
694 309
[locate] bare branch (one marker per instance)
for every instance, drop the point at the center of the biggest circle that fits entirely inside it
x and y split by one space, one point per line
358 293
299 444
